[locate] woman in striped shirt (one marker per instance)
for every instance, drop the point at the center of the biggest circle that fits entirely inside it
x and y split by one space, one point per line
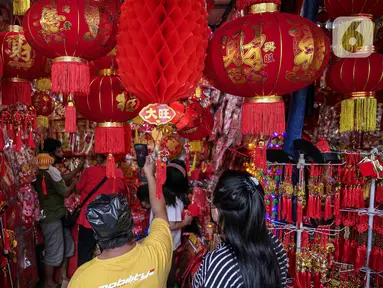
249 256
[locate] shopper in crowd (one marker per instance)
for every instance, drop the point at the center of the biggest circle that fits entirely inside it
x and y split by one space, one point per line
175 192
54 148
122 261
94 181
143 196
58 242
249 256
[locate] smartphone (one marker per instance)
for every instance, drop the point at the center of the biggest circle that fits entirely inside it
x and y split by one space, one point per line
141 154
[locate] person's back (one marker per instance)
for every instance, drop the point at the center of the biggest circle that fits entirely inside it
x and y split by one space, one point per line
124 262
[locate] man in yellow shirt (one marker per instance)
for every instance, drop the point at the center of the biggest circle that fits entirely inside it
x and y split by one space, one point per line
124 263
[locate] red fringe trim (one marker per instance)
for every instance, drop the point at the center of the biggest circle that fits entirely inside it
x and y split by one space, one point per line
336 205
327 209
361 256
16 92
299 213
263 118
70 119
110 140
160 176
70 77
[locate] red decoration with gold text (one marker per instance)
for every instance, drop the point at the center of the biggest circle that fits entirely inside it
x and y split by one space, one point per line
157 114
72 33
21 64
263 56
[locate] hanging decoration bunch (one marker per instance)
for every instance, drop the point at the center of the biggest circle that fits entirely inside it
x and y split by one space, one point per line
71 33
161 50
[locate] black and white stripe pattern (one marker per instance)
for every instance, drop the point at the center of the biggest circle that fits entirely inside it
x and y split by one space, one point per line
220 268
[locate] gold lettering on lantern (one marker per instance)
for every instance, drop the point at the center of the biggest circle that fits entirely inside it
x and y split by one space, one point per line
309 52
151 113
244 61
50 23
66 9
126 104
92 18
20 52
164 113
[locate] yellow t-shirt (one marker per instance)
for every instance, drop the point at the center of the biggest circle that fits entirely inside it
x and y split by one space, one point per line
146 266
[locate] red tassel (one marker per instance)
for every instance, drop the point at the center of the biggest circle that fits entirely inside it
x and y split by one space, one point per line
110 167
361 255
317 283
70 118
44 186
263 118
303 277
110 139
18 140
160 176
279 208
299 213
11 132
310 206
31 142
128 138
379 267
1 139
70 77
308 280
336 250
327 209
297 283
336 205
16 91
260 157
346 251
289 210
318 209
360 198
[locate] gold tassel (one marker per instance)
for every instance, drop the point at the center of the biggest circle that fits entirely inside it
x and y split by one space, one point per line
194 162
136 135
358 114
42 122
20 7
43 84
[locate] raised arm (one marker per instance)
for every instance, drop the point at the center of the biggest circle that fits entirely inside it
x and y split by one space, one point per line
158 205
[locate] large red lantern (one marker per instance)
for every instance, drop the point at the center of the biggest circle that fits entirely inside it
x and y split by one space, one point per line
161 48
338 8
110 106
21 64
72 33
263 56
357 79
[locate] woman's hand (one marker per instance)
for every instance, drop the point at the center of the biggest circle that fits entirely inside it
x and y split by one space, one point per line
187 220
149 167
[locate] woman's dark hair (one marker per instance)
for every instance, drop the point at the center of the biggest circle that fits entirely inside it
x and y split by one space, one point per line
176 185
240 203
143 193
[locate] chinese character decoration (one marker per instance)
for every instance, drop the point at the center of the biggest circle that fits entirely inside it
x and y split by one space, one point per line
157 114
110 106
71 33
263 56
21 63
165 74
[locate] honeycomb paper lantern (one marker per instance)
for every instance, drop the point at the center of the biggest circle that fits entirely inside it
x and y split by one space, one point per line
161 48
263 56
338 8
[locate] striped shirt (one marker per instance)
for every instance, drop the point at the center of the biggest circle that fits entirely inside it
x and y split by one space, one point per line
220 268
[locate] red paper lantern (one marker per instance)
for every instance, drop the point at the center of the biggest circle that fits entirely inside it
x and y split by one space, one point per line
21 63
73 33
338 8
162 47
110 106
357 79
263 56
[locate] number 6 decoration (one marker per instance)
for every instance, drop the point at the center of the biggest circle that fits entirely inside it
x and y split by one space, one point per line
263 56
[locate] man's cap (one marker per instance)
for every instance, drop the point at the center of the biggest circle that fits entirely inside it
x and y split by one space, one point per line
110 216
